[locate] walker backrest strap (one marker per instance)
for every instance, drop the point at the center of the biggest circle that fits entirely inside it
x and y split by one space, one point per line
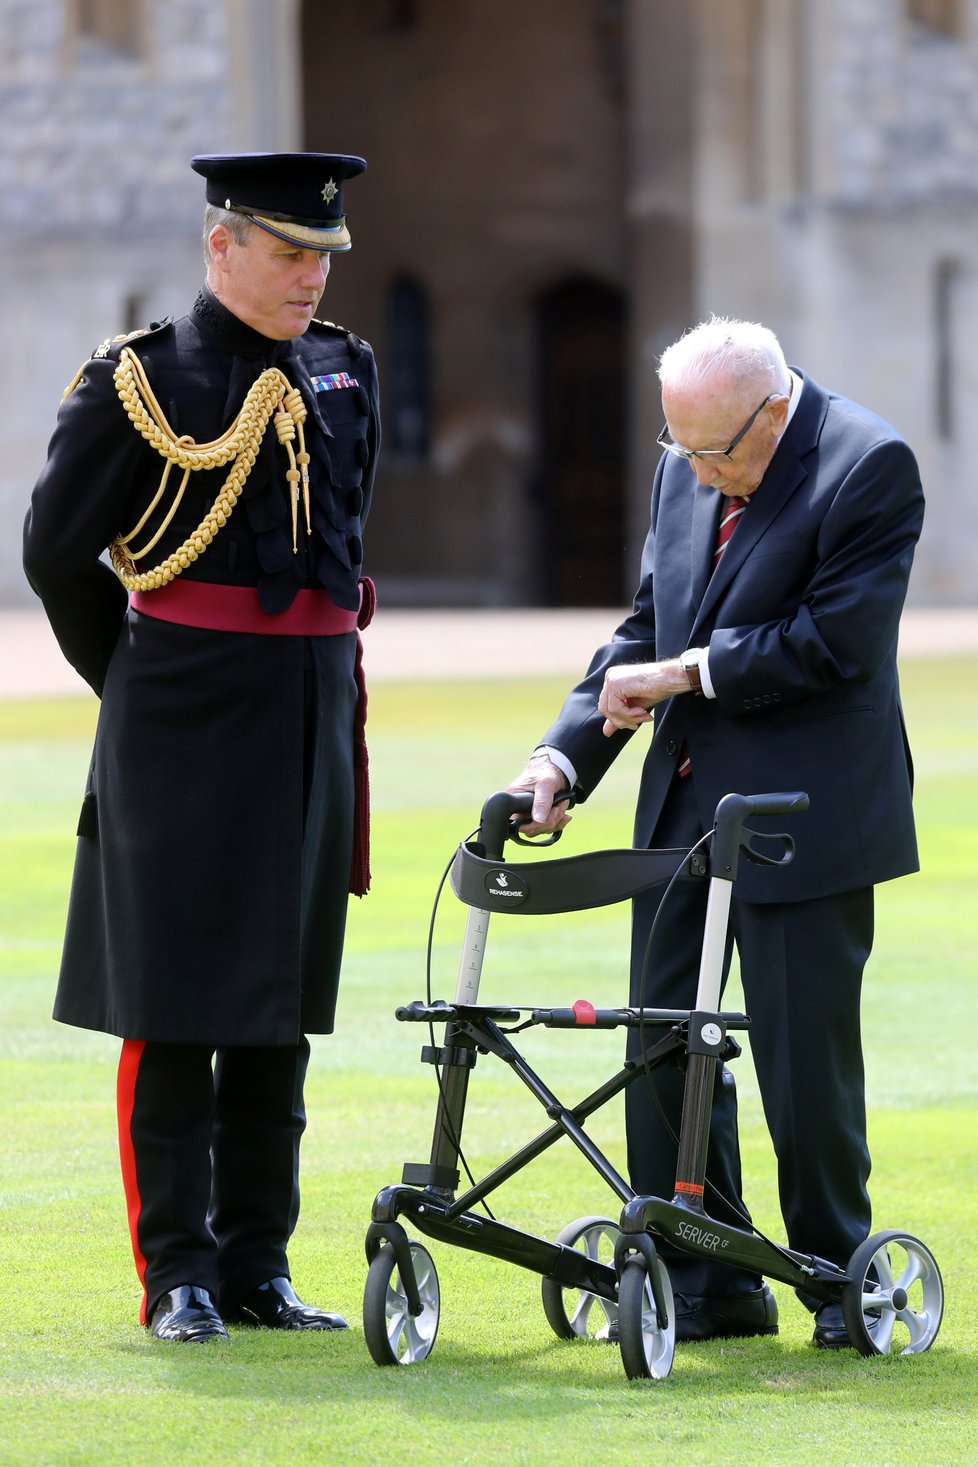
595 879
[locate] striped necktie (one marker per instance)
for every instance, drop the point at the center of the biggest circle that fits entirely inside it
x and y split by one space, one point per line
733 508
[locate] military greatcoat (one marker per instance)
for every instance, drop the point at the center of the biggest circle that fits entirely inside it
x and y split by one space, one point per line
210 886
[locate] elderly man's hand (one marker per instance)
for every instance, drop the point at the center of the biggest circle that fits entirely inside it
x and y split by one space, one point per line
546 781
630 692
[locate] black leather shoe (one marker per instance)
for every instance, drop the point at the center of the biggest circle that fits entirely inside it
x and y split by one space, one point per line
187 1314
276 1305
830 1328
702 1318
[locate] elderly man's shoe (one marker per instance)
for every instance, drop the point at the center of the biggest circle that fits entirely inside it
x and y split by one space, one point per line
724 1317
830 1328
187 1314
276 1305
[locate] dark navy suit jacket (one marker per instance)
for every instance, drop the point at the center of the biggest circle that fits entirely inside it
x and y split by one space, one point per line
801 621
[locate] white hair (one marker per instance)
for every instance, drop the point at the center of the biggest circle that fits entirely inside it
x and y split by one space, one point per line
744 353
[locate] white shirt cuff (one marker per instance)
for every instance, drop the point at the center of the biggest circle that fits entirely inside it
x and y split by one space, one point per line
704 663
561 760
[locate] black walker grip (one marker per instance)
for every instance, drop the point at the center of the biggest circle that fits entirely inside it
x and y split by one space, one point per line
729 819
496 821
497 812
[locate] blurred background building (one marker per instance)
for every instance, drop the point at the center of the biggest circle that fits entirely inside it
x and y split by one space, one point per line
556 188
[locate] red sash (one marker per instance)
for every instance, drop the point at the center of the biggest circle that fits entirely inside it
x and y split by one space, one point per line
237 609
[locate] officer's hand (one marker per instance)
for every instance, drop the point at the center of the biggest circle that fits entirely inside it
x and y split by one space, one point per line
545 780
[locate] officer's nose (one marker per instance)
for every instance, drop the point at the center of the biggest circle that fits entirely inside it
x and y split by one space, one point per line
316 270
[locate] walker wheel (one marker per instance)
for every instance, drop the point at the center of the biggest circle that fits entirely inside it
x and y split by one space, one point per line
393 1334
646 1319
894 1300
571 1313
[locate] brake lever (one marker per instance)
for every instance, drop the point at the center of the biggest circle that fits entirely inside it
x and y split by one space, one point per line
534 842
757 857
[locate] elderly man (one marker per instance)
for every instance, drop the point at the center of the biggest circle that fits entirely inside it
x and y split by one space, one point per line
226 460
764 637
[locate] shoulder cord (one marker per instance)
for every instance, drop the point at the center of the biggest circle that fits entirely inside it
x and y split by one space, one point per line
271 395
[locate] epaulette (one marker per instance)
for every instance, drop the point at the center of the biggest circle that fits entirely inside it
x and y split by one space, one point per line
355 343
112 345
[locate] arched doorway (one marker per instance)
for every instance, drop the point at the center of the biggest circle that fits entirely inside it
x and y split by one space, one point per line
580 484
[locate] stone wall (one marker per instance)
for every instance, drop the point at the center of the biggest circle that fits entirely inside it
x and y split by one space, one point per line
862 249
99 210
822 175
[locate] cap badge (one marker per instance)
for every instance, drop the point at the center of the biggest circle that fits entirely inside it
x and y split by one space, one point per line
330 192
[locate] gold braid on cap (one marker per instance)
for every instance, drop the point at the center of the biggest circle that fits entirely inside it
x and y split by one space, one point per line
272 395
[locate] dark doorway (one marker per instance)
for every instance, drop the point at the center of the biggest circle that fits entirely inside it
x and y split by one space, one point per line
407 375
581 479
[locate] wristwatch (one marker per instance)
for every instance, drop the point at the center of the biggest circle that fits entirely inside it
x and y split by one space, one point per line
690 660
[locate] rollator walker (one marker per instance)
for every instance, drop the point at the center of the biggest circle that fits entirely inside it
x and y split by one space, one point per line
601 1278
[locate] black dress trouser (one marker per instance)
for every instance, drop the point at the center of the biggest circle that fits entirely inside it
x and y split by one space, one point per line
801 966
209 1142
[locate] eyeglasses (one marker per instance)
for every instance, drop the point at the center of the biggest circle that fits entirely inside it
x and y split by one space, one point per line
665 441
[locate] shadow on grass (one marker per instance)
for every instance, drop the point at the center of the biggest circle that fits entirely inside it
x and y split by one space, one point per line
297 1370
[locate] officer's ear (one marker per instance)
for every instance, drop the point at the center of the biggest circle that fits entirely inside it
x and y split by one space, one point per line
219 243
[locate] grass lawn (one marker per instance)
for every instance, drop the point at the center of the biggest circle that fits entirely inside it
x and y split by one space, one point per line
81 1383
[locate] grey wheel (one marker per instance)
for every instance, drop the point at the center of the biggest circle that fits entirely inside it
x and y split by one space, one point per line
646 1319
393 1334
576 1313
894 1301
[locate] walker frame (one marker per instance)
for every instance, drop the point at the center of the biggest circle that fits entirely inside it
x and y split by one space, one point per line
891 1292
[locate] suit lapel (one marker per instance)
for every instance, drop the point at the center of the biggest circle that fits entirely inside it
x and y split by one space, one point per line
786 473
706 520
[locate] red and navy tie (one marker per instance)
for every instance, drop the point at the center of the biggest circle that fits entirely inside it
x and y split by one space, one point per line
729 520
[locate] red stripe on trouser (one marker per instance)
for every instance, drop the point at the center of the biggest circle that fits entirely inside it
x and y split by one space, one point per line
132 1053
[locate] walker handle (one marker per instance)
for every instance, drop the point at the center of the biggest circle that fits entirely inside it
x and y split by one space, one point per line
731 813
496 821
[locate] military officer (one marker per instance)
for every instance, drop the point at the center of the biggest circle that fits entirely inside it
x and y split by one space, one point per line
225 459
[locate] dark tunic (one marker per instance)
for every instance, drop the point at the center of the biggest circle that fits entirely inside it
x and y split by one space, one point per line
209 896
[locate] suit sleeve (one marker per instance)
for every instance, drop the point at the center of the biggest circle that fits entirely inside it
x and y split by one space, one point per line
78 506
847 617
